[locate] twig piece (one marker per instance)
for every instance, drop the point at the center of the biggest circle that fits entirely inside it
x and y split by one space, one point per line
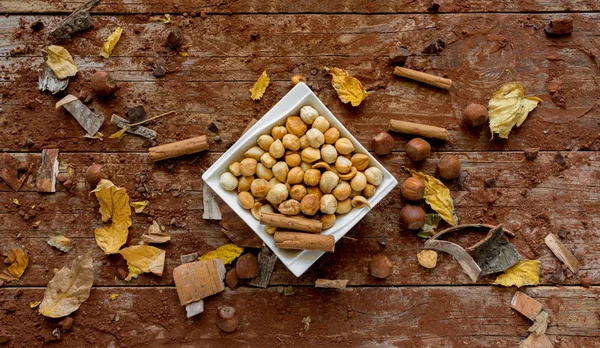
464 259
151 119
562 253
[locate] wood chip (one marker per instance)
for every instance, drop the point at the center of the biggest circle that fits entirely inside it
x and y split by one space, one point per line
331 283
562 253
464 259
48 81
193 257
525 305
86 118
46 177
537 341
211 207
137 130
197 280
194 308
266 263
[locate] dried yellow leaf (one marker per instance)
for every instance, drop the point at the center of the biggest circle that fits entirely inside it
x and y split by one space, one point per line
260 86
348 88
111 42
166 19
184 54
227 253
139 206
113 296
120 134
508 108
16 201
61 62
114 204
525 272
155 235
143 259
19 262
61 242
69 288
34 304
437 195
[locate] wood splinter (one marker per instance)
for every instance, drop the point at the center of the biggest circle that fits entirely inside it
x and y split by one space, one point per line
46 177
429 79
331 283
179 148
292 223
562 253
421 130
304 241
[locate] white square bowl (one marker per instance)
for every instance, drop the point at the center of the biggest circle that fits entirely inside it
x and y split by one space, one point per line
296 261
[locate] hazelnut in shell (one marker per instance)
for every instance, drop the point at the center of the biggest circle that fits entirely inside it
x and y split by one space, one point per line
380 266
449 167
246 266
413 189
382 143
231 279
412 216
102 84
227 319
418 149
94 174
475 115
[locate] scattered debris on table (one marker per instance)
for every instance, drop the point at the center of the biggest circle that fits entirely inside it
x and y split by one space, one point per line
523 273
211 207
508 108
155 235
562 253
49 82
18 260
61 242
266 263
349 89
198 280
111 42
331 283
87 119
260 86
227 253
46 176
77 21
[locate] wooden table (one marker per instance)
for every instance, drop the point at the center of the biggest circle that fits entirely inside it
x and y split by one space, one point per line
229 44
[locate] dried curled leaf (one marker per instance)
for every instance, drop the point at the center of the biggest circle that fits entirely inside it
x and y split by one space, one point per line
61 242
155 235
139 206
143 259
120 134
508 108
113 296
525 272
431 223
111 42
114 204
19 262
349 89
437 195
166 19
69 288
260 86
34 304
227 253
16 201
61 62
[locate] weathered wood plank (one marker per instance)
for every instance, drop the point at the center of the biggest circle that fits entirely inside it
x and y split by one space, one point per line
303 6
424 317
216 88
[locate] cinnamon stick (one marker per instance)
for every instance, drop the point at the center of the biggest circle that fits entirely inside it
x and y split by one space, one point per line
291 222
422 130
179 148
304 241
423 77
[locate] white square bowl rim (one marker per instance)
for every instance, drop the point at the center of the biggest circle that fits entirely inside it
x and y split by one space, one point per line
296 261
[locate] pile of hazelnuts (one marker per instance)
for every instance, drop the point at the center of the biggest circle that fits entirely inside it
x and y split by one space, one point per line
413 189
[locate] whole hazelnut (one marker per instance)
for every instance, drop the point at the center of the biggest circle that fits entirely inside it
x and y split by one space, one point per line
289 207
427 258
449 167
277 194
260 188
298 192
227 319
328 204
344 146
369 190
244 183
102 84
308 114
342 191
315 138
277 150
418 149
246 266
280 171
380 266
321 124
328 220
246 200
374 176
263 172
313 190
360 161
331 135
310 155
295 126
265 141
267 160
93 174
343 165
235 169
295 176
413 189
228 181
412 216
475 115
291 142
382 143
312 177
278 132
231 279
248 166
358 182
293 159
310 204
254 152
328 182
329 153
304 142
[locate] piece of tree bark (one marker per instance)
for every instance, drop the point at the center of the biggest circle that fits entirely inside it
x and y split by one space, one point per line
540 324
86 118
537 341
48 81
200 279
464 259
46 177
236 229
211 207
331 283
137 130
525 305
77 21
9 171
266 263
562 253
495 254
194 308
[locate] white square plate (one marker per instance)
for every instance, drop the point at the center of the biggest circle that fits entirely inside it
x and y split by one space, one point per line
296 261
